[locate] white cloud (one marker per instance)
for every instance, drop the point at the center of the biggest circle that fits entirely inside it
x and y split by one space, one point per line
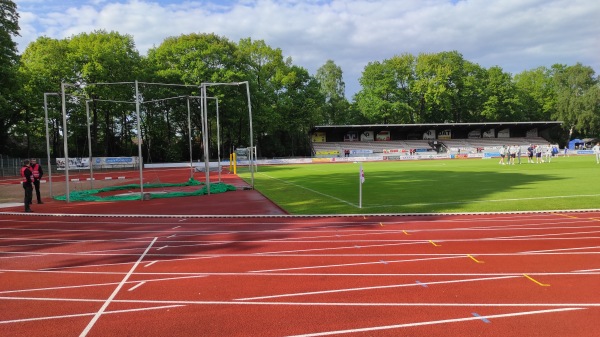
514 34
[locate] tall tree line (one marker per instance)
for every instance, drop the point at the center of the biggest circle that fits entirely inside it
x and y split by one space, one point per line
444 87
287 101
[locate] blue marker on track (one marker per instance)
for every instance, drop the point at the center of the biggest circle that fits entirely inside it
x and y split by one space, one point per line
421 284
485 320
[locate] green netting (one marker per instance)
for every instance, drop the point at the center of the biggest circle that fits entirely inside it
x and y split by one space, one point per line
90 195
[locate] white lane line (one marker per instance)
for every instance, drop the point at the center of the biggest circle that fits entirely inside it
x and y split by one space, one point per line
355 264
420 284
151 263
306 304
408 325
559 250
136 286
112 296
89 314
311 190
244 273
100 284
488 200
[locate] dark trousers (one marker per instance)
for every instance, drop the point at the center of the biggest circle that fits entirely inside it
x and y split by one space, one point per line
28 194
36 184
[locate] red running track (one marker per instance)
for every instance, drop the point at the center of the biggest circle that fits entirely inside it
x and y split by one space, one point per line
190 275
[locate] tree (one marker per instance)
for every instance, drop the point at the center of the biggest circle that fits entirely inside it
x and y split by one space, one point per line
577 98
502 103
332 86
386 95
9 104
82 61
43 67
536 92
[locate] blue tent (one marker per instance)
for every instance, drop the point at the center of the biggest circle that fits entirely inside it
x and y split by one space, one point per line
574 142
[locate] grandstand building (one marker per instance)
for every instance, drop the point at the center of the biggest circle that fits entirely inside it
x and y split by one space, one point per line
421 141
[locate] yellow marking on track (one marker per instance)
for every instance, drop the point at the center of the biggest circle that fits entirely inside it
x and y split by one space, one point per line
433 243
474 259
568 216
533 280
381 224
405 232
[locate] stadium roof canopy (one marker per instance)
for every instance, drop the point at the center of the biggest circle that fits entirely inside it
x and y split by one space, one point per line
442 126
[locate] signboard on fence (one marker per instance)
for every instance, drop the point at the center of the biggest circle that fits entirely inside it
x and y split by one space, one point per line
429 134
319 137
366 136
491 133
351 136
445 134
98 162
383 136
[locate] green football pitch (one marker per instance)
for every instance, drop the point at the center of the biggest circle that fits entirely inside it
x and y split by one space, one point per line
432 186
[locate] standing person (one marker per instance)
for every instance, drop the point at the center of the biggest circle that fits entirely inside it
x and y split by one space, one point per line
502 154
513 154
530 150
548 153
27 182
596 150
37 171
519 153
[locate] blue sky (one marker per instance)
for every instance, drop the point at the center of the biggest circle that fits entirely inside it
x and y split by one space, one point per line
516 35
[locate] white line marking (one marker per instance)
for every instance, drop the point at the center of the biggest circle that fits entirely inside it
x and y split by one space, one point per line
355 264
90 314
408 325
135 286
112 296
311 190
151 263
324 304
163 247
99 284
421 284
482 201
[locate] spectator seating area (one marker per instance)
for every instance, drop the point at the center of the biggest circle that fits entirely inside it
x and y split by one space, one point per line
471 145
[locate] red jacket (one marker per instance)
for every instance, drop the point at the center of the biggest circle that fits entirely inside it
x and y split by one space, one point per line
27 174
37 171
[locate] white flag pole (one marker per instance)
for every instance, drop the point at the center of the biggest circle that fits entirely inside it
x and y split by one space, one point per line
360 182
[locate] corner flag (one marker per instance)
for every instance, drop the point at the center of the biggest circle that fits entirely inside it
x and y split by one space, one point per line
362 175
362 180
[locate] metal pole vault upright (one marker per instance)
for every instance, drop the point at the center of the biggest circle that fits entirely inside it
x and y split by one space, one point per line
65 146
203 130
205 123
139 134
46 94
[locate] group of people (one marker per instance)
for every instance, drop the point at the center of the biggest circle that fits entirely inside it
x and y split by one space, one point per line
511 153
542 154
508 154
32 173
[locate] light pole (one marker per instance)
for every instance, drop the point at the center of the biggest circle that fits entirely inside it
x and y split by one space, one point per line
46 94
